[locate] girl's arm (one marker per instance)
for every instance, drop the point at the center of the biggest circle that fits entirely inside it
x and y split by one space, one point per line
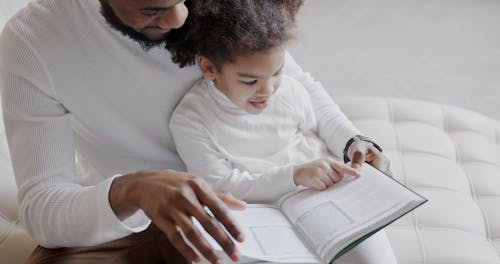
333 125
203 158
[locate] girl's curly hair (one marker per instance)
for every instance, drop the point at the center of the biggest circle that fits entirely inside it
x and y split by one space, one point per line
223 30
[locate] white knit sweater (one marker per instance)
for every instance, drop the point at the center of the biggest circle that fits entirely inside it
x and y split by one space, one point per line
70 83
250 156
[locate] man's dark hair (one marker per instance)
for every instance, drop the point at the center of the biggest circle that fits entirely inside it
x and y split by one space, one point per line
223 30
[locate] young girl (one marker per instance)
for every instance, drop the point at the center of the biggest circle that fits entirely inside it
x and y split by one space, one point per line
246 127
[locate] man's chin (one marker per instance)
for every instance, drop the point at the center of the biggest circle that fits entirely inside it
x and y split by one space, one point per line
146 42
156 36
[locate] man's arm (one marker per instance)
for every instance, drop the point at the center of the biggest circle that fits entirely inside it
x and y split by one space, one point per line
55 210
170 198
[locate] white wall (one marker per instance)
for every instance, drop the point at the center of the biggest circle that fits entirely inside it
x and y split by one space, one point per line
441 50
9 8
445 51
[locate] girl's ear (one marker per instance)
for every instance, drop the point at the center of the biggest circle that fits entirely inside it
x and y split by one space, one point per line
207 68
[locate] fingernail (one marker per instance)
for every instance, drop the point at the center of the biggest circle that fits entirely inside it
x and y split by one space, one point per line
241 237
235 256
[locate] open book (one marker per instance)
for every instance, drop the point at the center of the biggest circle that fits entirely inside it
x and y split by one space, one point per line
309 226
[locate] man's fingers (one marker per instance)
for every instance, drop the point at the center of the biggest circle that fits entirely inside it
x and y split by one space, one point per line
220 211
195 237
222 214
230 201
174 236
214 228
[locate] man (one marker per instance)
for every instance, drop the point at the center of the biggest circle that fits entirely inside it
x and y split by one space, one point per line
92 77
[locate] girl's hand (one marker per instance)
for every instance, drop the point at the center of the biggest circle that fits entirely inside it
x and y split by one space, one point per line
322 173
361 151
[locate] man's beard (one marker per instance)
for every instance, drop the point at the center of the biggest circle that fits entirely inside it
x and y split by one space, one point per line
116 23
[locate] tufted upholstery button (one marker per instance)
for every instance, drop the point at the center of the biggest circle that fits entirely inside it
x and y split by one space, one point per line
452 157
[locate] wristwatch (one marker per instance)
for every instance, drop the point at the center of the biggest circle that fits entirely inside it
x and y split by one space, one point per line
358 137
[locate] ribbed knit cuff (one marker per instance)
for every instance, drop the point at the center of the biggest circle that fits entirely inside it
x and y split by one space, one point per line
283 181
111 224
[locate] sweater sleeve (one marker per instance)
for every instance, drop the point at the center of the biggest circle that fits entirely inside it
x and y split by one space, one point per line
203 158
55 210
333 126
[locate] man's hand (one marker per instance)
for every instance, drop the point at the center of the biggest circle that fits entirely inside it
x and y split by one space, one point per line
361 151
170 199
321 174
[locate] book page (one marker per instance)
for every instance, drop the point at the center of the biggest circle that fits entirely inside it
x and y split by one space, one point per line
269 236
329 220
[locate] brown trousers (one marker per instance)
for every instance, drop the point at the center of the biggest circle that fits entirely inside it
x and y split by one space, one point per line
150 246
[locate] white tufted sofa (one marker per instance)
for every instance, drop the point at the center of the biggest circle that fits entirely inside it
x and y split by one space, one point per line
452 157
449 155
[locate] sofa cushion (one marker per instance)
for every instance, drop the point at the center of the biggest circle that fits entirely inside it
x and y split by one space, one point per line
452 157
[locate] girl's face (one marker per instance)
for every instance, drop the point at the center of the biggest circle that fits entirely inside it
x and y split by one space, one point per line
251 80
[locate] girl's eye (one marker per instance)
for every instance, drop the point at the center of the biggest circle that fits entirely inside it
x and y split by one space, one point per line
250 82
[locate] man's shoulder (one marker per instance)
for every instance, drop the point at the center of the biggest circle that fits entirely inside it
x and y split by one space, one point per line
195 105
47 21
40 12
